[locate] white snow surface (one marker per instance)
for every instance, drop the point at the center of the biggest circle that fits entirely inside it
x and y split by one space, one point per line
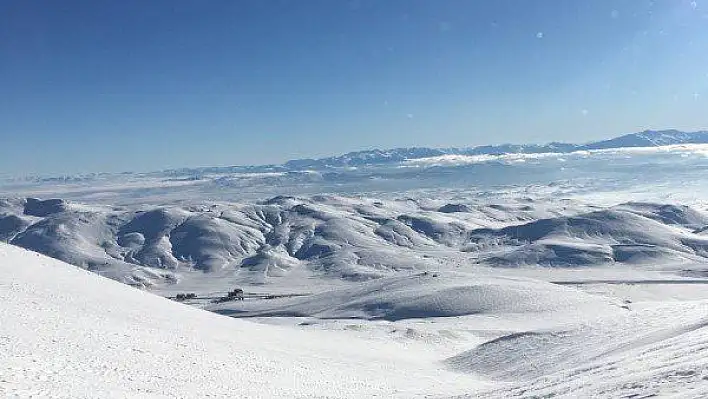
68 333
659 351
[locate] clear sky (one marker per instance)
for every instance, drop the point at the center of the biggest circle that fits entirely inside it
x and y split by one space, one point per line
132 85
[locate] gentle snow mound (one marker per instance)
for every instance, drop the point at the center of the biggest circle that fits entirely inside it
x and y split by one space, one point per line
628 233
430 295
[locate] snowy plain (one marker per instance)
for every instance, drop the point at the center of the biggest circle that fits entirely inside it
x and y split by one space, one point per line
580 274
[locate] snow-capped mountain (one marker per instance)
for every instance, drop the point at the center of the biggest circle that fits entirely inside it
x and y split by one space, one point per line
369 157
648 138
363 165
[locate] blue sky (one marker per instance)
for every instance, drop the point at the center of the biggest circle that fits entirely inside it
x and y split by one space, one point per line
100 85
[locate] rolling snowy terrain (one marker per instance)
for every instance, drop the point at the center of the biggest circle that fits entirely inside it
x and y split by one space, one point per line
502 271
285 241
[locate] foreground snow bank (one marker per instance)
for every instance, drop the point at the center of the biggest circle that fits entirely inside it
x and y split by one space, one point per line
658 351
66 332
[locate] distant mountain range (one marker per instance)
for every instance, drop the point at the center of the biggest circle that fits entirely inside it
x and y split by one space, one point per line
377 157
648 138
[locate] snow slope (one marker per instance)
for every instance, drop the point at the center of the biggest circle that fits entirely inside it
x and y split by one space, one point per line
657 351
66 332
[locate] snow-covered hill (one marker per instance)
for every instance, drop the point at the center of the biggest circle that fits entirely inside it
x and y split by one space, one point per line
431 295
340 237
629 233
352 239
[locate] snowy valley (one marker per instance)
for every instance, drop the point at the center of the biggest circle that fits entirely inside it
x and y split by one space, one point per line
578 273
